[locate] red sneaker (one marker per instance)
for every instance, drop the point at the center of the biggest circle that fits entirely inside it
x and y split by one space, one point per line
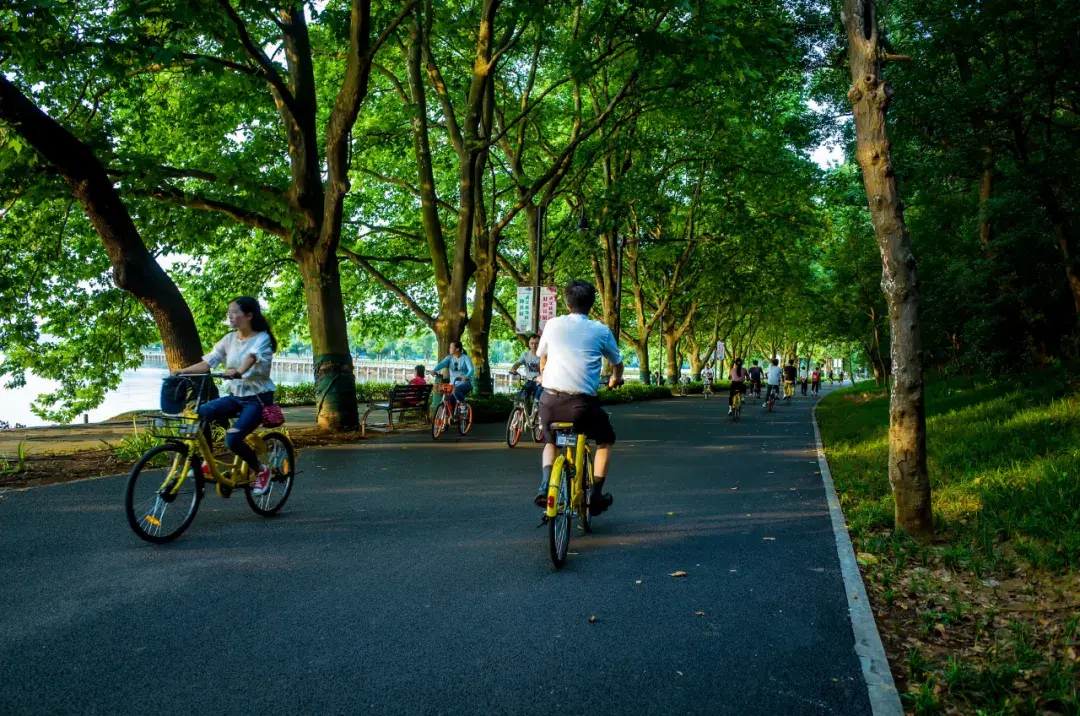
262 482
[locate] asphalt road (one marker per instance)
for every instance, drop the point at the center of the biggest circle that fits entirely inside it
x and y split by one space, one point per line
406 576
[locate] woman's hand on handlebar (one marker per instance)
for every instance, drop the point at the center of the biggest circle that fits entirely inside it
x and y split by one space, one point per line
614 382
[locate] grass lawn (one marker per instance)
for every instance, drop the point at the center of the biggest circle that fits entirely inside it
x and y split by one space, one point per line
985 620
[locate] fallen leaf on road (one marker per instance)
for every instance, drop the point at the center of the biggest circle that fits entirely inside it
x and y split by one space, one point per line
700 614
734 488
940 628
638 582
679 673
865 558
671 514
793 488
592 620
680 573
854 596
768 539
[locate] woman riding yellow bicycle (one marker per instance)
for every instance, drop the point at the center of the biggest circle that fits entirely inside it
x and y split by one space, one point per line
247 353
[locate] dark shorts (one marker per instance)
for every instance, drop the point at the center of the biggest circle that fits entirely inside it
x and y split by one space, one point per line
583 411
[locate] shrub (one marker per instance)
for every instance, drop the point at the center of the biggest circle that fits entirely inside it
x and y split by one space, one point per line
6 465
491 408
299 394
304 393
132 446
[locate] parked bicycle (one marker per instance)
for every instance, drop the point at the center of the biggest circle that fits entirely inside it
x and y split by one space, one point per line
167 484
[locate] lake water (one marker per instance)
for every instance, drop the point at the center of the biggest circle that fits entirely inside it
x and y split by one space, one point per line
139 390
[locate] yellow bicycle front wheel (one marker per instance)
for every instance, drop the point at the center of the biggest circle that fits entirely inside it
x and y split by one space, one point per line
163 493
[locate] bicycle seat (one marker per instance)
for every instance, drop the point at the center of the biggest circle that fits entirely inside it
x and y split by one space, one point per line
561 426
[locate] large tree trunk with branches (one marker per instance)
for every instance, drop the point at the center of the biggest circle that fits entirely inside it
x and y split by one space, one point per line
870 96
134 268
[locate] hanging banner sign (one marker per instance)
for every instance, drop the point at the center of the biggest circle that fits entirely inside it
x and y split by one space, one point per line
720 355
549 302
524 309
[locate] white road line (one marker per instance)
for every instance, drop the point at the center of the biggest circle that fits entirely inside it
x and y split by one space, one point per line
884 698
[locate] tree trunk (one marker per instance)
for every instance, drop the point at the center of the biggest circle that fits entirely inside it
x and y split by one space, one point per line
671 359
641 347
480 324
335 382
869 97
134 268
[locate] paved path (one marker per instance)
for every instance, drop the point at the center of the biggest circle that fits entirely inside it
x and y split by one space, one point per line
406 576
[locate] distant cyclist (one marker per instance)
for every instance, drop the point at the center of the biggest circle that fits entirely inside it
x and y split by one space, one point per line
738 376
706 378
461 373
841 376
755 379
531 363
773 380
791 374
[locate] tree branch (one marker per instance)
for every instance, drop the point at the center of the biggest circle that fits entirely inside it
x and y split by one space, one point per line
174 196
406 185
390 286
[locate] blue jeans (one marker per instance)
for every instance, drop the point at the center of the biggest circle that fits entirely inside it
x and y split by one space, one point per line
248 413
461 389
531 390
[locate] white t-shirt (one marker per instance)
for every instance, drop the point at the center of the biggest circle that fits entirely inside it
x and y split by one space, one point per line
774 374
706 376
231 351
574 346
531 361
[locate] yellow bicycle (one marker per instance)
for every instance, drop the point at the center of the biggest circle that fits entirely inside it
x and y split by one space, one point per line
568 490
736 406
789 390
168 482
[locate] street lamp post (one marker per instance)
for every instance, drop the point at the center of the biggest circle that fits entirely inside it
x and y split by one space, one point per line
540 216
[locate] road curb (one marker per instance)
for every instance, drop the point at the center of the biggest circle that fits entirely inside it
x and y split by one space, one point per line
884 698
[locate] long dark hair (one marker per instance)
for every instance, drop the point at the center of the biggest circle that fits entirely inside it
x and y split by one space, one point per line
251 305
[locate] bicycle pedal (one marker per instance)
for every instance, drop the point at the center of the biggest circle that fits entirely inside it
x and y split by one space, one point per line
543 521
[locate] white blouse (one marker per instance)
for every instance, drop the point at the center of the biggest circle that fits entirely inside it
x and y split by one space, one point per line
231 351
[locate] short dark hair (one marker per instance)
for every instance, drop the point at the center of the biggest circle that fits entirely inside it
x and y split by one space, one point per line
458 344
776 361
419 371
531 336
580 296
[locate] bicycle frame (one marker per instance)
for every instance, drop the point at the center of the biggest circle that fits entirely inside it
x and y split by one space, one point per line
576 455
229 475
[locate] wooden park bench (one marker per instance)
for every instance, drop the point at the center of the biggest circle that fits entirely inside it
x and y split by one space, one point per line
402 399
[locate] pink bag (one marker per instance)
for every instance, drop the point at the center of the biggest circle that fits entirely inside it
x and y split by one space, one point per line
272 416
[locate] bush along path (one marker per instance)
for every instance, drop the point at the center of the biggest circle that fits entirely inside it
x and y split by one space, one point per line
987 618
89 455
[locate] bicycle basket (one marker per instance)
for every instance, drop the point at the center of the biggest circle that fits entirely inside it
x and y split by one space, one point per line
443 389
173 426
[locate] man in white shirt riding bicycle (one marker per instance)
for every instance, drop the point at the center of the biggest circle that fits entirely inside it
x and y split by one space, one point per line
773 380
571 351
